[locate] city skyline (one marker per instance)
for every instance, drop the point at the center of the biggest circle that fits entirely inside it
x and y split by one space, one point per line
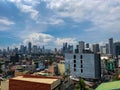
51 23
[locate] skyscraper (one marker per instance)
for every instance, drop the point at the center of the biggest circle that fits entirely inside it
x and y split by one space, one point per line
35 49
29 47
111 46
96 48
22 49
103 49
81 46
65 48
87 45
107 48
117 49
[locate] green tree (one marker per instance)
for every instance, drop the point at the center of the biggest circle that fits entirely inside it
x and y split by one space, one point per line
80 85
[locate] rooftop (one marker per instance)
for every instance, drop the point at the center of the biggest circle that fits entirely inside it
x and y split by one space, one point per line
115 85
38 80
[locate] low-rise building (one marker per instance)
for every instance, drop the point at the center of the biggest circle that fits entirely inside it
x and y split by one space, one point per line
28 82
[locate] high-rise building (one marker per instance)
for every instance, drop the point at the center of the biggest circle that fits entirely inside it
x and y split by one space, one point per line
117 49
111 46
8 49
107 48
29 47
77 49
22 49
85 65
103 49
65 49
87 45
70 48
34 49
96 48
81 46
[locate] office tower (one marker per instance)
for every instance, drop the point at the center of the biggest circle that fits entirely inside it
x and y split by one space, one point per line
70 48
16 50
25 49
107 48
29 47
117 49
96 48
34 49
22 51
77 49
55 50
103 49
43 50
81 46
111 46
65 49
87 45
85 65
8 49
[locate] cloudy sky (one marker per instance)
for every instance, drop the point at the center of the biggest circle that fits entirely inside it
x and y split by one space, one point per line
52 22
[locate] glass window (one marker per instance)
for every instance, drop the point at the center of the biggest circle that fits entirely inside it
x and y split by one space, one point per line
74 57
81 70
81 57
74 61
74 65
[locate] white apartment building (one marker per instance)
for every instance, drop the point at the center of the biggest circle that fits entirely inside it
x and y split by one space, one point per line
85 65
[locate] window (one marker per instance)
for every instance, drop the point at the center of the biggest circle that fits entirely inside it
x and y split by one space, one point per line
81 57
81 70
74 61
74 57
81 61
74 65
74 69
81 66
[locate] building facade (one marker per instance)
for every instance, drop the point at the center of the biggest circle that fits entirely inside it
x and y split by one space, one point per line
81 46
117 49
96 48
85 65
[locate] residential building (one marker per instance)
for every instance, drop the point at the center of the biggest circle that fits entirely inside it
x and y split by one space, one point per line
85 65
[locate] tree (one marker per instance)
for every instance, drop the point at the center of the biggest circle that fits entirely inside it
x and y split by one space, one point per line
80 85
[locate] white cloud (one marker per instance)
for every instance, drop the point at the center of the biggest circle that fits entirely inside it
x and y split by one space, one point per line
5 21
60 41
30 7
47 40
38 39
103 14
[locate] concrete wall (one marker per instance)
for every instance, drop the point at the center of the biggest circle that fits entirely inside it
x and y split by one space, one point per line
5 85
89 65
25 85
